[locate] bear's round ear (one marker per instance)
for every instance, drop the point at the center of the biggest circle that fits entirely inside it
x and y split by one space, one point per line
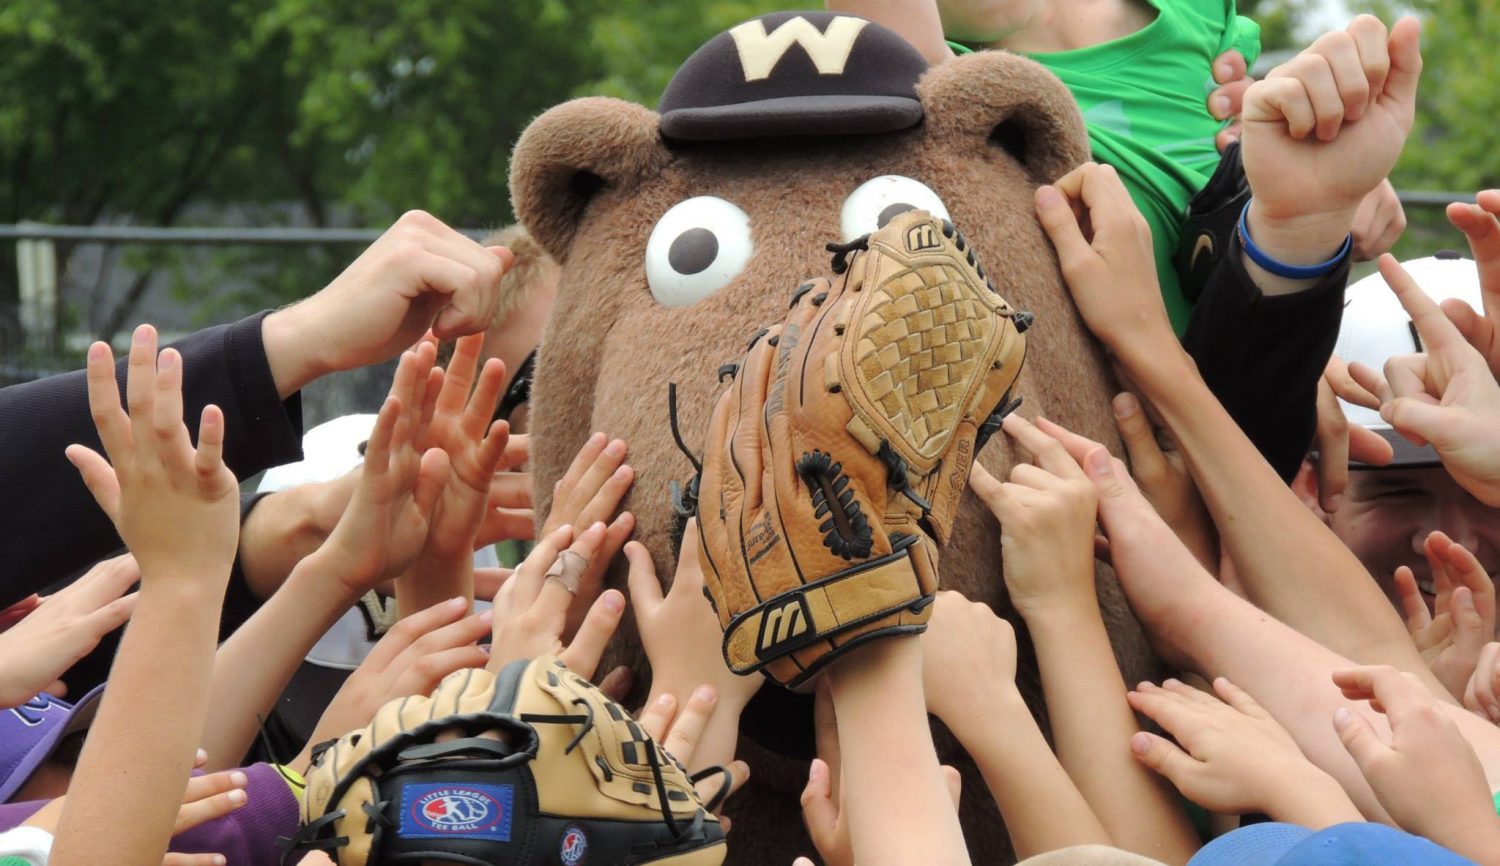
572 153
999 100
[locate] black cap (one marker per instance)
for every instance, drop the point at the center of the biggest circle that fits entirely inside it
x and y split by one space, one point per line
795 73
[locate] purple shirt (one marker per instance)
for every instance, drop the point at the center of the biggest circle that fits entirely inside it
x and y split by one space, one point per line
246 837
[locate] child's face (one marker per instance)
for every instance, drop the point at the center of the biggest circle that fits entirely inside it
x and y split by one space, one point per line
1388 513
986 21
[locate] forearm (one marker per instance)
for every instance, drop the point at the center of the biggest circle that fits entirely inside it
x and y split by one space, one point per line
283 528
1276 543
899 808
1296 240
123 799
1480 843
1042 808
917 23
1316 802
253 667
1091 728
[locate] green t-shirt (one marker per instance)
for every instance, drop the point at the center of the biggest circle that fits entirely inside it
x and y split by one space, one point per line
1145 102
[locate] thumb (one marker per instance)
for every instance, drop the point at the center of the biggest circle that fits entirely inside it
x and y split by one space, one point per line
1061 225
1163 757
1099 466
1358 737
645 589
431 477
819 812
1140 439
1415 418
98 476
955 783
1406 65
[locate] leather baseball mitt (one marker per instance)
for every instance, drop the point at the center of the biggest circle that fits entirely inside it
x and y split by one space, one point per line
532 766
836 458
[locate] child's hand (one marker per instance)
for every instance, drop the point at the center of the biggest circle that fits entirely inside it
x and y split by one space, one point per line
1161 470
1338 441
206 798
1046 513
1427 777
968 656
510 514
1451 641
1482 694
411 659
386 522
1324 129
590 492
823 809
1479 224
1104 248
680 733
63 628
681 632
460 425
1378 223
531 609
1232 757
1446 396
177 508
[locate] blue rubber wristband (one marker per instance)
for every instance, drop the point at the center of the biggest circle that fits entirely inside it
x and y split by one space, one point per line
1281 269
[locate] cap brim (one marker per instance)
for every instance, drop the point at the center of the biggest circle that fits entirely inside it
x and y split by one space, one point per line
79 718
1255 845
793 116
1407 455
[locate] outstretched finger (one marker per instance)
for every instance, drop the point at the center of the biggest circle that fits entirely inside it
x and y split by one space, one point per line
644 585
656 716
1413 607
171 436
406 632
1048 452
599 625
1239 699
682 740
208 460
1437 332
210 807
104 402
140 381
558 590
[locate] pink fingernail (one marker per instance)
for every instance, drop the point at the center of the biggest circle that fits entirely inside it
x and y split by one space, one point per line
614 602
665 701
237 796
706 693
238 779
616 448
166 361
1342 717
457 602
487 615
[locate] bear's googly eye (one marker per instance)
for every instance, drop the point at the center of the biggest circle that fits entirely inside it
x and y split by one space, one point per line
879 199
696 248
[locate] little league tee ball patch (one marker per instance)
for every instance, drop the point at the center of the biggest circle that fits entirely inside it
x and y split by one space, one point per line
574 846
464 810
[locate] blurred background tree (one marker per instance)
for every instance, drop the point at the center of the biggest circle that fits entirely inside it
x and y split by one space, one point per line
348 112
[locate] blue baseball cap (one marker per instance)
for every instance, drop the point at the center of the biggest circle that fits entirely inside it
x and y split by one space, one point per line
1360 844
29 733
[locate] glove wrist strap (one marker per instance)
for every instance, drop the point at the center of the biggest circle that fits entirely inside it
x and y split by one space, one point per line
825 608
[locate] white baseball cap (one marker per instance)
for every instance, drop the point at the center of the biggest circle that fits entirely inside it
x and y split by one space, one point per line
1376 328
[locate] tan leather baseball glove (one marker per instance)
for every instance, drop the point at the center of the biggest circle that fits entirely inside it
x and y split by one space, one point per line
530 766
835 460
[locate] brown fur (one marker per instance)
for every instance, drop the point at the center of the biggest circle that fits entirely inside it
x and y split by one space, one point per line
590 179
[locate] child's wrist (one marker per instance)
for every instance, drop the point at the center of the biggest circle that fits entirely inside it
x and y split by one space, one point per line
1315 800
1299 239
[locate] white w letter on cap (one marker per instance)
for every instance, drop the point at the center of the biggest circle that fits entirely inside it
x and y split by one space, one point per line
759 52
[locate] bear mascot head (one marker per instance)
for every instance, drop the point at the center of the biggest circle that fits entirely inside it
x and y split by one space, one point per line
681 233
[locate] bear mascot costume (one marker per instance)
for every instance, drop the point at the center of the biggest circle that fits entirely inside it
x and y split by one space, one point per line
681 233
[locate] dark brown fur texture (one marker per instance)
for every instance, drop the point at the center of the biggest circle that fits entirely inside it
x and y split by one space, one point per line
590 179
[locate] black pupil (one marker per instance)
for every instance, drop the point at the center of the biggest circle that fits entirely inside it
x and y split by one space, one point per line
693 251
891 212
